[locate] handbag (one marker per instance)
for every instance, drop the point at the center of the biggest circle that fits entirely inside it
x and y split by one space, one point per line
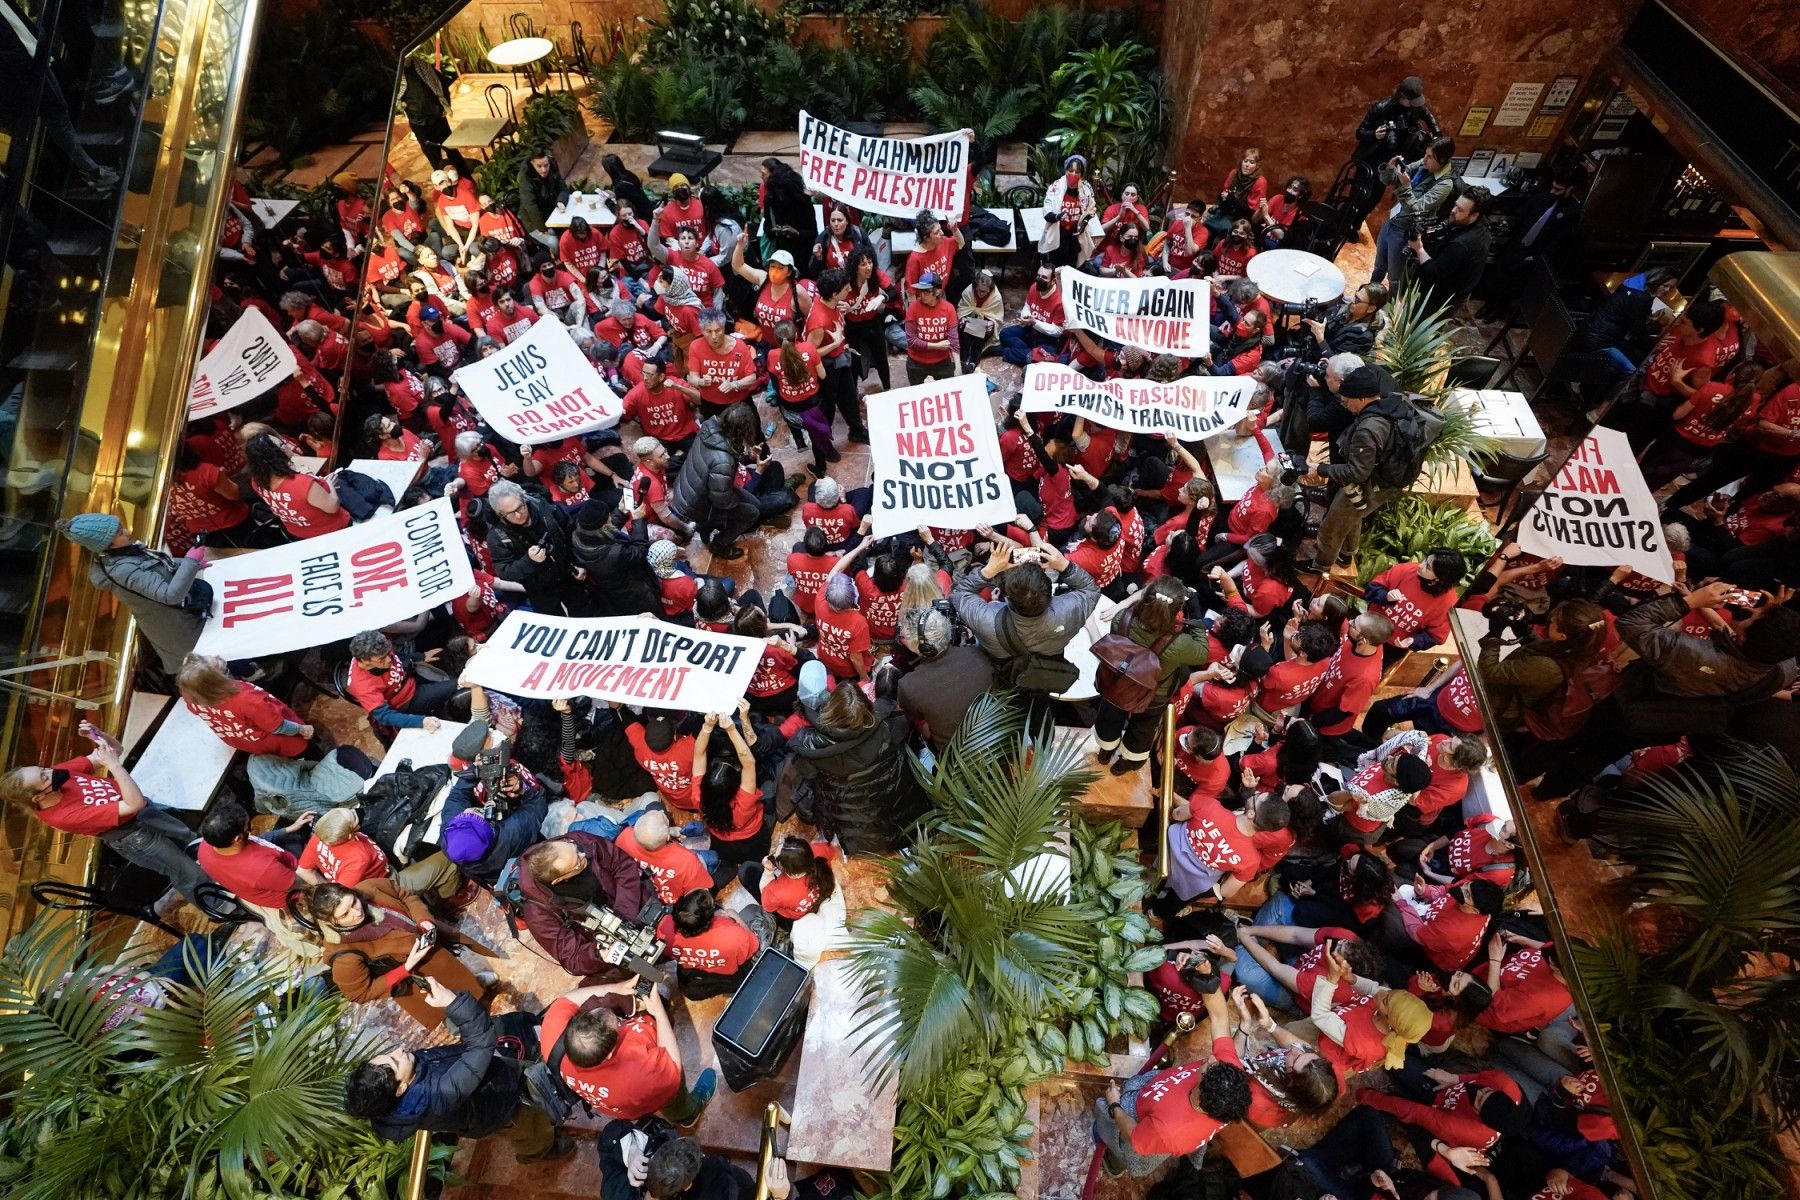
1129 674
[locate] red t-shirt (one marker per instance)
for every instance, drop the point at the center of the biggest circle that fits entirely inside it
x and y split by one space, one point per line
1254 512
1362 1046
722 950
936 323
506 329
809 577
714 368
582 254
665 414
746 818
197 507
837 522
86 803
351 861
1020 460
772 310
793 896
1348 685
678 215
459 204
1455 702
1783 408
443 348
775 672
1175 995
1468 855
303 519
557 292
674 869
798 395
1529 996
1448 935
881 609
1311 964
1707 398
841 636
1291 681
247 720
1209 775
260 873
1167 1121
937 259
673 769
1102 562
393 687
1214 837
1411 608
625 242
678 593
635 1080
702 274
1659 372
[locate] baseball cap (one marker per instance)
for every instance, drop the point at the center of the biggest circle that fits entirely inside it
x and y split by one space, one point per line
1413 88
928 280
431 312
440 179
784 258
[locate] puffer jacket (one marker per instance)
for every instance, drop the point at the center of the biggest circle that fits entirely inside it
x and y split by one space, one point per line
470 1091
618 570
153 585
863 789
708 480
510 545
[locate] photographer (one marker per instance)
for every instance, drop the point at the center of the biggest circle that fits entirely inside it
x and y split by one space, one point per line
1028 623
463 1089
1401 125
561 880
618 1054
530 544
495 810
384 938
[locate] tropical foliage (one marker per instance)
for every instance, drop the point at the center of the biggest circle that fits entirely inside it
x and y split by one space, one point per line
1418 348
316 81
231 1086
1112 109
544 119
1409 527
1715 1001
993 949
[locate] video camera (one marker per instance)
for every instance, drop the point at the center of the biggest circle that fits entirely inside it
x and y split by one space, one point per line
629 944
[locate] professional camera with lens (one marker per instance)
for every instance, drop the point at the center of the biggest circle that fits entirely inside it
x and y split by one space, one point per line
629 944
500 783
1509 616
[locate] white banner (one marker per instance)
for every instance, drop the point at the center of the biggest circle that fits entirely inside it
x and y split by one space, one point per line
893 176
1164 316
633 660
1598 512
328 588
541 388
937 458
1192 409
249 360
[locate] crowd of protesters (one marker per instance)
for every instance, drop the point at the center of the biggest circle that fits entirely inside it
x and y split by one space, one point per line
1390 980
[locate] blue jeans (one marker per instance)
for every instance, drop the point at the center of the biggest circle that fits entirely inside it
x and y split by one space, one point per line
1018 341
1278 910
1390 252
1421 711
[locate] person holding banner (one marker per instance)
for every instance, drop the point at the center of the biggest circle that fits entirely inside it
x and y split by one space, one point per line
935 252
731 803
827 328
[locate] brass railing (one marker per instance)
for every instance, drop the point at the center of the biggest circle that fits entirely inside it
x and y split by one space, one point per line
1165 796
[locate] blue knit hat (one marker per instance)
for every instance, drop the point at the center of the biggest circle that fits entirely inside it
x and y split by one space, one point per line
91 531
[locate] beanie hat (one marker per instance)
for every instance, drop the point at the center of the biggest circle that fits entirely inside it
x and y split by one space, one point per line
91 531
1361 384
592 516
1412 774
814 683
1407 1020
467 838
346 181
662 558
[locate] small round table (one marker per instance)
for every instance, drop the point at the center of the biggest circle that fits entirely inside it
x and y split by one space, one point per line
1295 277
522 52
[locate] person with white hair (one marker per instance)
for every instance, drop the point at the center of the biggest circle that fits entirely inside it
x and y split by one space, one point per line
477 470
529 542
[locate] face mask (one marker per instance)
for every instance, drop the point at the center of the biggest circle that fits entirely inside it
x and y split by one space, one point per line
778 273
1074 178
683 194
58 777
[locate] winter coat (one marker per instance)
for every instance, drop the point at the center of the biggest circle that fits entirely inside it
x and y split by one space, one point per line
510 545
618 570
708 480
512 834
473 1091
863 788
354 955
153 586
539 194
622 888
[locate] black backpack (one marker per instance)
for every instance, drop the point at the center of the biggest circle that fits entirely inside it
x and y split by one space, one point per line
1413 429
393 809
1024 670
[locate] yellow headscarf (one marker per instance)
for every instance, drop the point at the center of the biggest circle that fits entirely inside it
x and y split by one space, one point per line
1407 1020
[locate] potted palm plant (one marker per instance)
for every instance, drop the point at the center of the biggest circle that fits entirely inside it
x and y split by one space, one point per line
1418 348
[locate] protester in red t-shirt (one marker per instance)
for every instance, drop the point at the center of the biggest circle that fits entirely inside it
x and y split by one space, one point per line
674 869
244 716
930 331
666 756
624 1069
510 320
339 852
793 881
731 802
306 505
844 637
720 364
712 949
1417 598
663 407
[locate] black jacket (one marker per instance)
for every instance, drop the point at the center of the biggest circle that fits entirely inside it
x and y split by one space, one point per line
1455 264
708 480
1410 131
718 1179
517 830
473 1092
540 194
618 570
511 544
863 789
1557 231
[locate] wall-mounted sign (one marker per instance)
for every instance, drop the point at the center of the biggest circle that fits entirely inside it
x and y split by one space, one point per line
1475 120
1562 90
1541 127
1515 110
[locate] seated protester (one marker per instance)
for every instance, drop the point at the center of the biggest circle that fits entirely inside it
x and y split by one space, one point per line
674 869
650 493
628 242
663 405
1180 984
1122 255
386 939
1215 843
1266 580
1445 707
1454 1006
844 638
794 881
1417 598
582 249
809 566
880 587
306 505
204 502
1235 250
243 715
464 1089
677 588
1201 767
832 513
946 680
258 872
639 339
1101 551
712 950
1374 793
557 293
620 1061
1242 352
1271 493
1289 985
1221 692
1438 805
1370 1031
1288 1077
482 839
509 321
1467 1112
393 442
477 469
1529 991
772 688
665 756
1485 848
1442 927
1351 677
339 852
1038 327
1178 1110
1307 656
731 803
382 680
73 797
560 879
440 344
